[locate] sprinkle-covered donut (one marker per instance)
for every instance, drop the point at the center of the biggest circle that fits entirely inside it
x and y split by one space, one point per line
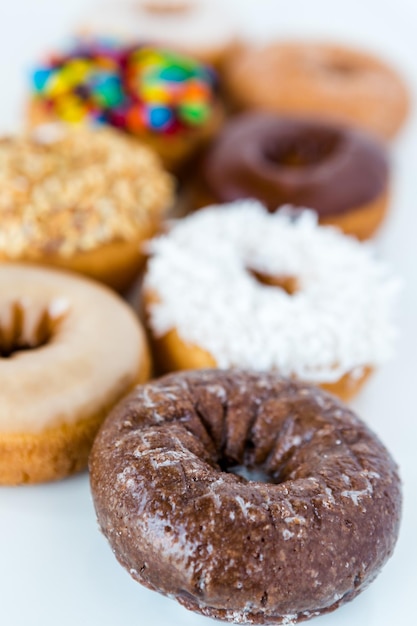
69 350
236 286
167 475
340 172
80 199
163 97
336 82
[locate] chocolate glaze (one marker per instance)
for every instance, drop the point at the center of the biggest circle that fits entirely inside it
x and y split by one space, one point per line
304 162
182 524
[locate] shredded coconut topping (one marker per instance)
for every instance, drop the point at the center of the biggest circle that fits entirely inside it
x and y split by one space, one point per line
203 274
68 190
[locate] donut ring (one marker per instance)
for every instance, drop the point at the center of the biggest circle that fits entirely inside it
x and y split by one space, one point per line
284 294
69 350
82 200
339 172
336 82
181 523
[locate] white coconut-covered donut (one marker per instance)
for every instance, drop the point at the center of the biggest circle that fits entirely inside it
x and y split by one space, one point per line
233 285
69 350
203 28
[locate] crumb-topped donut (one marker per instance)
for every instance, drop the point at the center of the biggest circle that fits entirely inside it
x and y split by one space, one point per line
201 28
80 199
166 99
340 172
235 286
333 81
69 350
301 544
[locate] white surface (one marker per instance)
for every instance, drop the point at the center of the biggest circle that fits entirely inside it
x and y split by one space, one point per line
55 567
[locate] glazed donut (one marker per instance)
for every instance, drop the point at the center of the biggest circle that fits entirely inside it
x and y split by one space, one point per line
69 350
236 286
201 28
336 82
340 172
165 99
167 484
80 199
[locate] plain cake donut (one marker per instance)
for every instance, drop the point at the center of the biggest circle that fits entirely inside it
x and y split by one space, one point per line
340 172
236 286
312 78
301 544
69 350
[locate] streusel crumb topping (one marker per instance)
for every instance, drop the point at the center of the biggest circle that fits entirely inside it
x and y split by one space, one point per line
66 190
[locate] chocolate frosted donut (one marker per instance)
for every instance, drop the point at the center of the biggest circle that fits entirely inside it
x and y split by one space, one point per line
179 517
340 172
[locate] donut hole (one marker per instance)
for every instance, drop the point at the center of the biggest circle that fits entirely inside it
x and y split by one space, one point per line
341 67
24 327
253 474
286 282
165 7
304 149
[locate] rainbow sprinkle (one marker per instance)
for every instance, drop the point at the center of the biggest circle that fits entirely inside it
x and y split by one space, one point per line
135 88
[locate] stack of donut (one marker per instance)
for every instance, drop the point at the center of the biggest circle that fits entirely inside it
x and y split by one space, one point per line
238 484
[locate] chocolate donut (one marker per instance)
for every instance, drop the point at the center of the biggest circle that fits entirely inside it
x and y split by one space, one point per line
166 478
340 172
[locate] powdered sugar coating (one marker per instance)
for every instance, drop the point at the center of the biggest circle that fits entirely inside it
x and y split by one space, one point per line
338 320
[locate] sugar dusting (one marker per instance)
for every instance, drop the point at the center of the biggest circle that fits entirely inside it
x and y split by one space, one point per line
338 321
357 494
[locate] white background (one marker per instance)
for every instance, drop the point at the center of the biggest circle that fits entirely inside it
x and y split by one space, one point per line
55 567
